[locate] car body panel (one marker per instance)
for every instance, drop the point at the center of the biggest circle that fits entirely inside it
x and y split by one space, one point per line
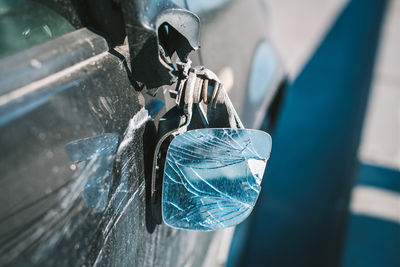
75 88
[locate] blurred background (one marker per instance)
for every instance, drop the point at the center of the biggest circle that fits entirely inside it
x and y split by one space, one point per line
346 142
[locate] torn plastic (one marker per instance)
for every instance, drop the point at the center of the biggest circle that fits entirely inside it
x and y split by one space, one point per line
150 42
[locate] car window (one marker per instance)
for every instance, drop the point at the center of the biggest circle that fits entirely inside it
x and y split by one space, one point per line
24 23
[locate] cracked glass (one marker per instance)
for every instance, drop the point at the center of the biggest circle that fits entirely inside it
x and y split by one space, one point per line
212 177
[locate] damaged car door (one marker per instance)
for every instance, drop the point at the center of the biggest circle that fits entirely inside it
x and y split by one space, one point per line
79 117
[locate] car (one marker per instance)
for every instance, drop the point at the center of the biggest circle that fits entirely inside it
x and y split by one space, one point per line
83 88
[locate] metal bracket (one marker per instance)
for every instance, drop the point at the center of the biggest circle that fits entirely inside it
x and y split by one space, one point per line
201 88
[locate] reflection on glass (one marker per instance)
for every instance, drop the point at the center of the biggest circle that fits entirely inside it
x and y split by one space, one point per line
87 148
98 153
212 177
24 23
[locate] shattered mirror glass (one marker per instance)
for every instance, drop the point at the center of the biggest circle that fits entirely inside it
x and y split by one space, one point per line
212 177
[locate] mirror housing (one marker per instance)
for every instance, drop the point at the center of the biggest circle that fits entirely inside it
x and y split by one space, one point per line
144 22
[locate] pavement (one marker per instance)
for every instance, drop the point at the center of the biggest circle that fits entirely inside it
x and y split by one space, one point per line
381 135
332 188
296 30
297 27
373 236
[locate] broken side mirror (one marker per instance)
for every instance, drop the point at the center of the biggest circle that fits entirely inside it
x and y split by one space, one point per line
207 168
212 177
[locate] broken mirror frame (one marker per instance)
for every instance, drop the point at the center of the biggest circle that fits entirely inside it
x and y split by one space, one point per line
206 176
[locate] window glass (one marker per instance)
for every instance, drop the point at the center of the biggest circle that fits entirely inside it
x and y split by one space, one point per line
24 23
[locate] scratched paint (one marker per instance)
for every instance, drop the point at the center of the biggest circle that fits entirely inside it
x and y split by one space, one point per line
51 212
99 215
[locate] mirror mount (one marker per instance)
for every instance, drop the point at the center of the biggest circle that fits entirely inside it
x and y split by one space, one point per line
195 109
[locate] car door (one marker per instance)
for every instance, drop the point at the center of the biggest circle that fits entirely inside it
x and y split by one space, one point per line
73 175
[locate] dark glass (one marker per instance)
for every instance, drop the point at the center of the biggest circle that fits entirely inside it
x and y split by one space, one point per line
24 23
